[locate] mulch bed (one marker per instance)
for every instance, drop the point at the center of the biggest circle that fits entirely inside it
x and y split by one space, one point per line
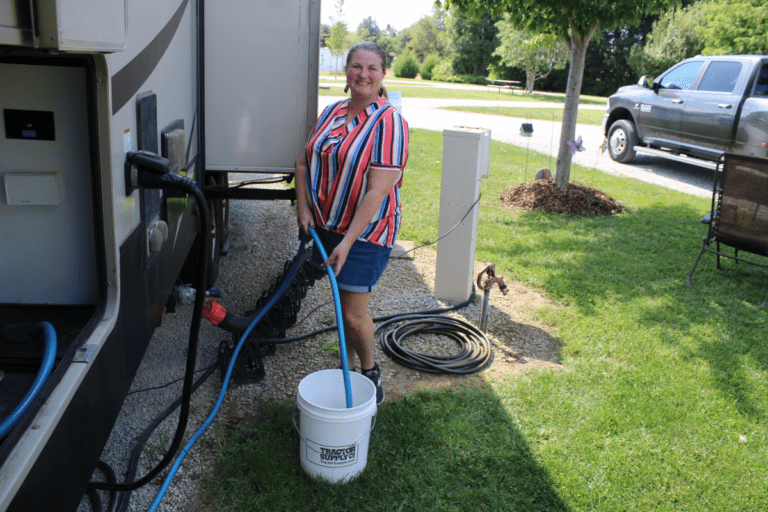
545 196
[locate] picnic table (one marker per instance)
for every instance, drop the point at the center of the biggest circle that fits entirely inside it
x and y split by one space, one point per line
505 84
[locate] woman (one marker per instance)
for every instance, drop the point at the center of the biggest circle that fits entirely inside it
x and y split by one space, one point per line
348 187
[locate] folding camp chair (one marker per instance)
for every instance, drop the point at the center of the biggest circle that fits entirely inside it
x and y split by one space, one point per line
739 211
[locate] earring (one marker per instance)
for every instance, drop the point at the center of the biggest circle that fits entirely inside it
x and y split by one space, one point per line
346 88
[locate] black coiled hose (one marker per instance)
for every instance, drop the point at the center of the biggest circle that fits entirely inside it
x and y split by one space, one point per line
474 347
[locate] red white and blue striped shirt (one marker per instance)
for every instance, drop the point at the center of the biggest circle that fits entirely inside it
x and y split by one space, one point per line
339 155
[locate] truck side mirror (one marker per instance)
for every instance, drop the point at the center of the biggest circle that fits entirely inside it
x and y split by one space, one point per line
646 81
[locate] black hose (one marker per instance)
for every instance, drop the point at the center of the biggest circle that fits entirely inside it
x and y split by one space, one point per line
475 348
174 181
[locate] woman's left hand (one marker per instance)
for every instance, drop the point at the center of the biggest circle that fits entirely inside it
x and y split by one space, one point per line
338 256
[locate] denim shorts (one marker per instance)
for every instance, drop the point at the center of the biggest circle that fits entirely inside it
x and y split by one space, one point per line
365 262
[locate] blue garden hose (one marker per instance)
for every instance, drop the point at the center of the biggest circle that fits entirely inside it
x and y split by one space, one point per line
339 322
42 376
265 309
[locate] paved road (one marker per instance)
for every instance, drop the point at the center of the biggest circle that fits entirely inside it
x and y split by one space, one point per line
426 114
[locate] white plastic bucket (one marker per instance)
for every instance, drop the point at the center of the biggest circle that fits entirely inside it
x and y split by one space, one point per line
334 439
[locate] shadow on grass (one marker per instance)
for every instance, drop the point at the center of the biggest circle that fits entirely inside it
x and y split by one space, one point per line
447 449
638 262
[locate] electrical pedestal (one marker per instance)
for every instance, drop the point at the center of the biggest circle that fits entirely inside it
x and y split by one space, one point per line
466 159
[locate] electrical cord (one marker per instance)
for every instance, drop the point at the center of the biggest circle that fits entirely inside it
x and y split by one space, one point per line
174 181
446 234
97 505
119 501
282 289
165 385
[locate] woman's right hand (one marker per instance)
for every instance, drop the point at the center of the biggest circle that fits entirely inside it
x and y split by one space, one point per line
304 217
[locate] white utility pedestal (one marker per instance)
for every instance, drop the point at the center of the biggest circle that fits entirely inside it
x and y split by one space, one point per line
466 159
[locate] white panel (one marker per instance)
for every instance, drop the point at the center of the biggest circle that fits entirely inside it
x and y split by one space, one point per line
88 25
260 82
48 253
32 189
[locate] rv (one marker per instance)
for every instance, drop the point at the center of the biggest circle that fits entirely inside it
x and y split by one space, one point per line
89 92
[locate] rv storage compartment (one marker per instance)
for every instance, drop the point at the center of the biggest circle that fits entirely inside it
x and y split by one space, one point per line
49 270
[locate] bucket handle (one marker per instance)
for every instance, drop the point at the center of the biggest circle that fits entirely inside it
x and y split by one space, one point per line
296 408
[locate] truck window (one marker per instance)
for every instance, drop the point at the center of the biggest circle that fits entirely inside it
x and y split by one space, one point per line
721 76
761 88
682 76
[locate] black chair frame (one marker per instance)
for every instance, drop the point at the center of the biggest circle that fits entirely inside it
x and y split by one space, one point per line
738 214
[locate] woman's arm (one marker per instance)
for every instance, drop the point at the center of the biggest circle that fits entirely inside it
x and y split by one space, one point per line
304 214
380 182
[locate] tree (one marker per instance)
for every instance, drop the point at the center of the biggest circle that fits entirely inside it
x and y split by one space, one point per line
674 36
606 67
735 26
337 42
428 36
537 54
368 30
472 42
325 31
576 22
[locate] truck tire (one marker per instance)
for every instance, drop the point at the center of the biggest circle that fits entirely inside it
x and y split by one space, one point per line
622 139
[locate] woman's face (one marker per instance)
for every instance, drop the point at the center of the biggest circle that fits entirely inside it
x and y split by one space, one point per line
365 74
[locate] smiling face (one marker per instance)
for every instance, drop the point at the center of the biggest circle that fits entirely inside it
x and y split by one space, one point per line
365 74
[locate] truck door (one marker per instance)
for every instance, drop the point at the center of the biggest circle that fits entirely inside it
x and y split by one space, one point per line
661 113
711 108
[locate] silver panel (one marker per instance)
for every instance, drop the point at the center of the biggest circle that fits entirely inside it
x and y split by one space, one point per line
261 63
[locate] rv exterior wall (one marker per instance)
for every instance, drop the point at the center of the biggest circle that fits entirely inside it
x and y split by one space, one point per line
260 111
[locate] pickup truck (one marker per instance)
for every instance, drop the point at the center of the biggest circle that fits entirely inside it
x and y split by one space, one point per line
694 111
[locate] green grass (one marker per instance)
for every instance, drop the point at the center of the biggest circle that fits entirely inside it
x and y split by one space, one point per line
661 405
594 117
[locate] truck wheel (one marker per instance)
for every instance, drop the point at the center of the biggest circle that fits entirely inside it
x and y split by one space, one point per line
622 139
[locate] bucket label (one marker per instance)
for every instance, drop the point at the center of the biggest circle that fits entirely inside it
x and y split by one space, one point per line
331 456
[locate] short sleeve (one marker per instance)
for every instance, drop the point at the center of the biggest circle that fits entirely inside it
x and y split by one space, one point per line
390 144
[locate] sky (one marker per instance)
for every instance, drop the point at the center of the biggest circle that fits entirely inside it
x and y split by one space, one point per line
398 13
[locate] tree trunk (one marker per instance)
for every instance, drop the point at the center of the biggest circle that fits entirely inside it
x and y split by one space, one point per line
578 45
530 79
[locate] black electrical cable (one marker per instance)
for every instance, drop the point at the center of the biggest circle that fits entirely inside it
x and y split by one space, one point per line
446 234
164 385
139 448
174 181
97 505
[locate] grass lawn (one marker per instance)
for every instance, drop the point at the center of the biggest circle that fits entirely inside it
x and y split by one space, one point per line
544 114
661 405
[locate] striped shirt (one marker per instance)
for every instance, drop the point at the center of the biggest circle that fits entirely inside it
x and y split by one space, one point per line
339 155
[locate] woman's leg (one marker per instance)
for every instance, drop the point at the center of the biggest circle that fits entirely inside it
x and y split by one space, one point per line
358 327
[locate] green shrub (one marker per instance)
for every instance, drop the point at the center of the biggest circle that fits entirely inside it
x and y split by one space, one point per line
428 65
405 66
443 71
474 79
